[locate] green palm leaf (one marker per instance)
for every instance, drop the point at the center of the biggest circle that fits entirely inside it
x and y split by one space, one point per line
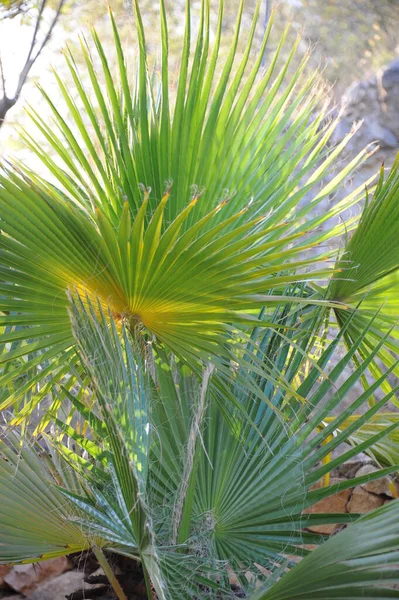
37 522
254 483
190 429
178 261
385 452
121 390
360 562
369 275
163 473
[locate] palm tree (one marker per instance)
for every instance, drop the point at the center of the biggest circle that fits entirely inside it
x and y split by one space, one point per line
161 287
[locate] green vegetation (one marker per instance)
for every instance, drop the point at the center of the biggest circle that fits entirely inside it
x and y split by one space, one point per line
173 297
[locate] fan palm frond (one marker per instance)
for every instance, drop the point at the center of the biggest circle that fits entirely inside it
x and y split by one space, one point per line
119 219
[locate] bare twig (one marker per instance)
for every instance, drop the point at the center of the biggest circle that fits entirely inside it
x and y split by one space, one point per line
33 54
3 80
36 30
13 10
266 20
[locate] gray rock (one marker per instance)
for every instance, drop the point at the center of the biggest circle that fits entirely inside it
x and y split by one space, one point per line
390 76
381 134
375 103
349 469
59 587
26 578
4 570
362 502
383 486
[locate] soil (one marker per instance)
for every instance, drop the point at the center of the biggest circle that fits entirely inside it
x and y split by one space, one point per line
128 572
81 578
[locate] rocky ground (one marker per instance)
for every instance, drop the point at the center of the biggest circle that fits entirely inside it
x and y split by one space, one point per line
75 578
358 500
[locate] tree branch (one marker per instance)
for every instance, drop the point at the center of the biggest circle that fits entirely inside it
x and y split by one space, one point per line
13 11
3 80
50 30
266 20
5 105
33 54
36 30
